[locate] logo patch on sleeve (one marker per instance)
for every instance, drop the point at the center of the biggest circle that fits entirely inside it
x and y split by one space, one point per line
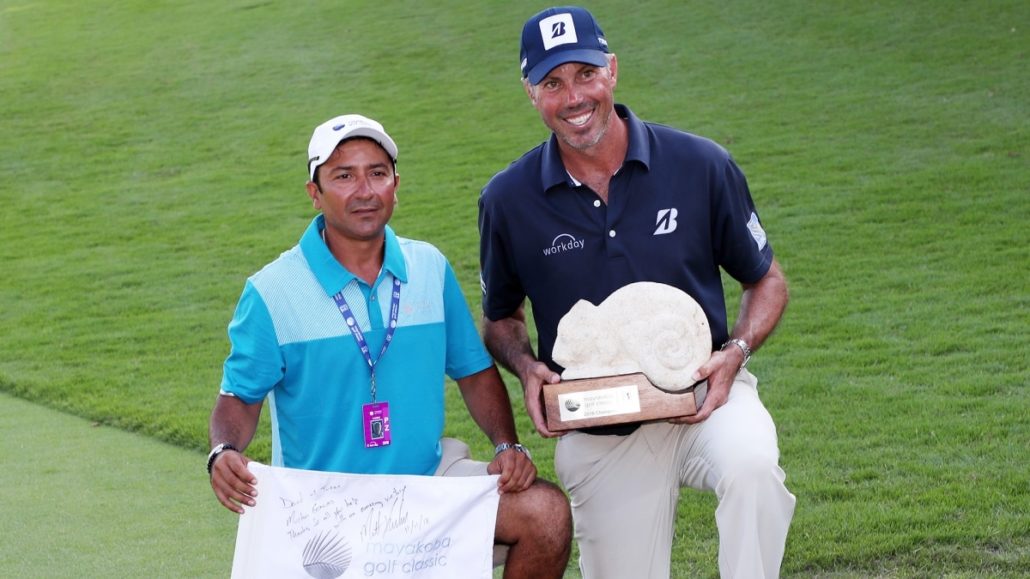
756 231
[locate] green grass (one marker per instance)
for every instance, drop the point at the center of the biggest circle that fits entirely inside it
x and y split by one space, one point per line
152 153
84 500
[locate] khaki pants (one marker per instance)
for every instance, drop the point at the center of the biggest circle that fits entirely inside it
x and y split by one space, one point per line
624 490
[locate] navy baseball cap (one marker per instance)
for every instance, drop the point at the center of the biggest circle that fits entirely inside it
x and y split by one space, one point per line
559 35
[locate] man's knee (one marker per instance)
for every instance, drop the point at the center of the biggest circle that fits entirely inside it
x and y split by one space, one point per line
756 473
541 512
553 505
536 525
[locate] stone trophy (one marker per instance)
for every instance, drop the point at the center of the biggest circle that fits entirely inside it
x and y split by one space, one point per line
629 359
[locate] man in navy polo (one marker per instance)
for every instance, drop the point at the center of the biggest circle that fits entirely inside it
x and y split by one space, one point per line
607 201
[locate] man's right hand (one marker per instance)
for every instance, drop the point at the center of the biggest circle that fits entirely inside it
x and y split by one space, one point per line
233 483
533 379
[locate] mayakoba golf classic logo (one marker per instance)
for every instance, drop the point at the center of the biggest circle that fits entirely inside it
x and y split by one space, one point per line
329 556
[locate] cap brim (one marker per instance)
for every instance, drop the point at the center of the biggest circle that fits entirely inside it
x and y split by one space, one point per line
584 55
382 138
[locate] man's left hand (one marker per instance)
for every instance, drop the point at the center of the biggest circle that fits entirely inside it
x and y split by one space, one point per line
516 469
720 370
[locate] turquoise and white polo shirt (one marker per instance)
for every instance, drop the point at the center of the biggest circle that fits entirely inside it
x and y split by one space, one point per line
291 345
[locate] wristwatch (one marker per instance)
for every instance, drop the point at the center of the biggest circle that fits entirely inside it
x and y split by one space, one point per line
219 449
518 447
743 348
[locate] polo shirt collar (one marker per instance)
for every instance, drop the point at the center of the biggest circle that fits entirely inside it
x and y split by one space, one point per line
552 170
332 276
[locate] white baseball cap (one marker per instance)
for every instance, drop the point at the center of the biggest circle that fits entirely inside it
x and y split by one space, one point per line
329 134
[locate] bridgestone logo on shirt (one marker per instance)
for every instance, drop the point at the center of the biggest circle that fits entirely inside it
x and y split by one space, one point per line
666 221
563 243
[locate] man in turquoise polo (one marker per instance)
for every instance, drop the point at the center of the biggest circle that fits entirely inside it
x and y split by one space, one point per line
349 334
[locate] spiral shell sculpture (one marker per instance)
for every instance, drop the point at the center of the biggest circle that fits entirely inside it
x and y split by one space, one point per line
326 556
644 327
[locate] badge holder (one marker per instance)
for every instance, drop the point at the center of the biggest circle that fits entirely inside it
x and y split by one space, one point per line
375 418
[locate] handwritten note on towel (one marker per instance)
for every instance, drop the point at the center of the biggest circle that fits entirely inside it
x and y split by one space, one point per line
329 525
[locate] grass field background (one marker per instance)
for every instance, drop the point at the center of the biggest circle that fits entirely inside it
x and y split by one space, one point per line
152 157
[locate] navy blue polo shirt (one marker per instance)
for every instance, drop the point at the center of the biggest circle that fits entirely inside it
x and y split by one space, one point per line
678 211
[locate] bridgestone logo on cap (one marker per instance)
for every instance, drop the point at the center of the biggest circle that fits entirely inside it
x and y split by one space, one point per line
557 30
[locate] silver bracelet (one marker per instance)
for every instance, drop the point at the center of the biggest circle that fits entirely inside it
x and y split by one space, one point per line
217 450
743 348
518 447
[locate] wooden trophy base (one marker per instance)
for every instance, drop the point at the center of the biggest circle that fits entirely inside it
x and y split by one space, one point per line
610 400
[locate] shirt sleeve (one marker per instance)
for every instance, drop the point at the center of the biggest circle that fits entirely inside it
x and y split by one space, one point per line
502 289
255 364
742 248
466 354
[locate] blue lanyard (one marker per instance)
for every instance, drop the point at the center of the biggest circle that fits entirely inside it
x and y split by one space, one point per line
359 337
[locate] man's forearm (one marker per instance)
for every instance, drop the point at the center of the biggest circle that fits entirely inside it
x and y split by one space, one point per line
761 306
508 342
233 421
489 405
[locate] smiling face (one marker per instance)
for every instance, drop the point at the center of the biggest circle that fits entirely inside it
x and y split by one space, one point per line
577 102
356 190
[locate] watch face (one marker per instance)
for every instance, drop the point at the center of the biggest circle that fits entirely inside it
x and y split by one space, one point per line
214 454
219 448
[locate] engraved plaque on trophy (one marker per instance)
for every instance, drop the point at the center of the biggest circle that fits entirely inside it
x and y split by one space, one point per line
629 359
